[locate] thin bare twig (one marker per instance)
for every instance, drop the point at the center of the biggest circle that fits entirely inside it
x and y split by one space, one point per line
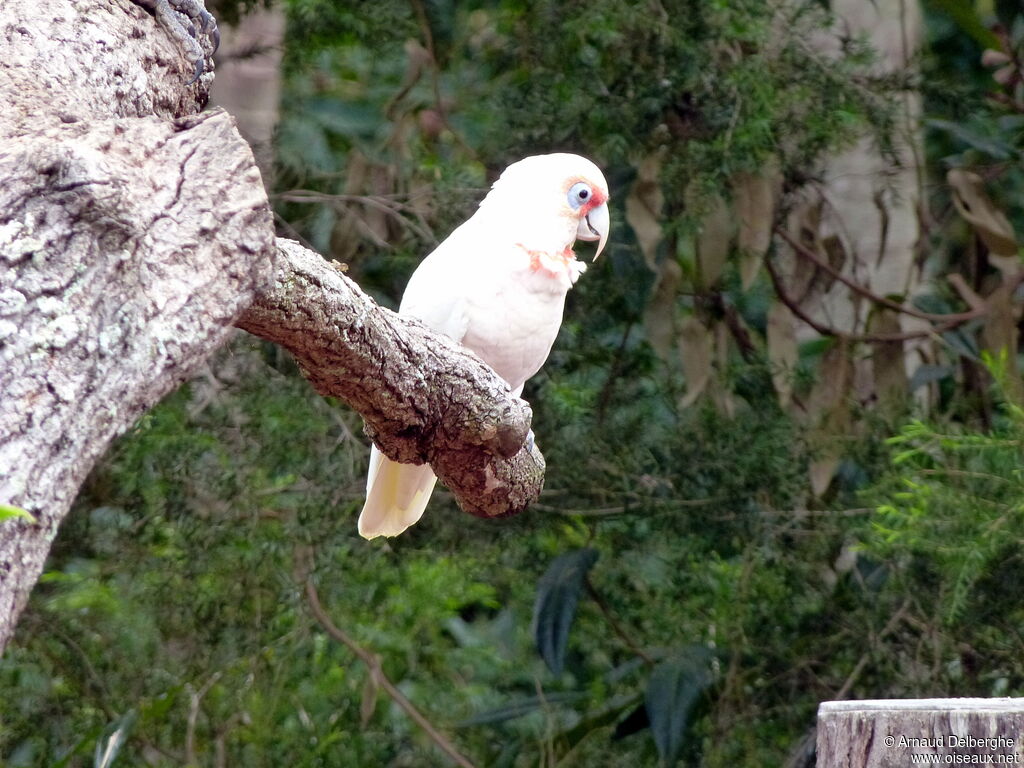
220 748
195 699
825 330
853 285
373 665
945 322
384 203
890 625
621 509
793 514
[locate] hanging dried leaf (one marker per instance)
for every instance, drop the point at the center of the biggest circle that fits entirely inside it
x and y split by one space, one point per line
345 236
994 229
421 199
750 266
1000 333
828 407
643 209
721 396
716 230
660 313
368 701
755 198
782 350
418 61
382 182
695 350
823 469
805 225
888 359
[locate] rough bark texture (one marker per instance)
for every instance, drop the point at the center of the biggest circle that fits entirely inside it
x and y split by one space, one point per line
133 233
423 396
82 60
129 242
899 732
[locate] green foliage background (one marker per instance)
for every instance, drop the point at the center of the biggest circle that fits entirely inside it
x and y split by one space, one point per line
723 594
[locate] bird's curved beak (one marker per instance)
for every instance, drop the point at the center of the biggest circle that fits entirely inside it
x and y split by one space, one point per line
594 226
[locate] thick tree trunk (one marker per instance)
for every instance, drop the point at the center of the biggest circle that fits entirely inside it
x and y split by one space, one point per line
133 233
862 220
899 732
129 242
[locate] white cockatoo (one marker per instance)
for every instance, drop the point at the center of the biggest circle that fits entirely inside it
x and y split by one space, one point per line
498 285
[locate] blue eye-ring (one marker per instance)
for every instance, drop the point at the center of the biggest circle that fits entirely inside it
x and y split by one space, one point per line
579 193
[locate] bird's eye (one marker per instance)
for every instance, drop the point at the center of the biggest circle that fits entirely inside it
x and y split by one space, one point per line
579 193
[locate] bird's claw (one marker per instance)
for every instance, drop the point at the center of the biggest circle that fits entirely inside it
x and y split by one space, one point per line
208 24
200 67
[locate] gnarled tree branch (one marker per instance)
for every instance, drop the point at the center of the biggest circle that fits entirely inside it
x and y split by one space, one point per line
423 396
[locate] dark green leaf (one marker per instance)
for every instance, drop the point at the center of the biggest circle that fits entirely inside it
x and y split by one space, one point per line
599 718
632 723
342 118
873 574
926 374
78 748
930 302
673 689
558 593
993 147
815 348
962 343
964 16
155 710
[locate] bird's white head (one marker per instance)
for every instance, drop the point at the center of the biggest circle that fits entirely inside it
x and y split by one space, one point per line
550 201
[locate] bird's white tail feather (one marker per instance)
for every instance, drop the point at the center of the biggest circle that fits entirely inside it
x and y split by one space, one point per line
396 495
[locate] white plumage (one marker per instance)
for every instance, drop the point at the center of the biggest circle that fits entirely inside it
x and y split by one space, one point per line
498 285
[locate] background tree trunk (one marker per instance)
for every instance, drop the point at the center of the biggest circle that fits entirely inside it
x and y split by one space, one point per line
862 219
248 82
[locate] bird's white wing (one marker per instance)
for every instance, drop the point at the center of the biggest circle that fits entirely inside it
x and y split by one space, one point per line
437 291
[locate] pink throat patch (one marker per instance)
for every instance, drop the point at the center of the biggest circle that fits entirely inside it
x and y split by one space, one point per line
553 264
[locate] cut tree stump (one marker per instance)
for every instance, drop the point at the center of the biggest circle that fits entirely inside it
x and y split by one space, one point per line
894 733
